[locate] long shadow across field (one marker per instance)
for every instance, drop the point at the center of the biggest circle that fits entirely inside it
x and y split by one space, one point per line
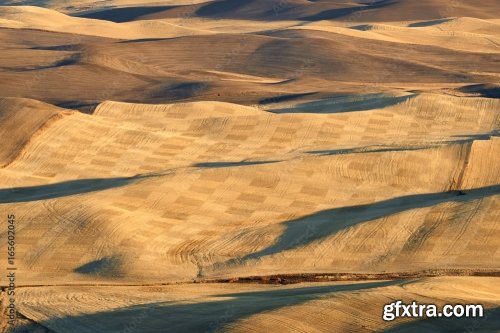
234 9
346 103
214 165
278 10
305 230
366 149
199 316
72 60
383 149
120 15
347 12
67 188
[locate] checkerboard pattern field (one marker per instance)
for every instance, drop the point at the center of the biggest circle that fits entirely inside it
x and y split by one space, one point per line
209 189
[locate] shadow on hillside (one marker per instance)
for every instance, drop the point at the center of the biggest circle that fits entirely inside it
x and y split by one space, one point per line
428 23
126 14
212 165
482 90
346 103
348 12
303 231
72 60
64 189
222 7
284 98
366 149
110 266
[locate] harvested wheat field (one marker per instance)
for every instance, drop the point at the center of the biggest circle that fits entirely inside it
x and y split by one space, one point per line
249 165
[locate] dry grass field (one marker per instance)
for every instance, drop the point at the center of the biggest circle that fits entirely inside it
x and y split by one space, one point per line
249 165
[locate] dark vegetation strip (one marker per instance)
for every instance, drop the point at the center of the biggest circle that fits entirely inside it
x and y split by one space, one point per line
328 277
293 278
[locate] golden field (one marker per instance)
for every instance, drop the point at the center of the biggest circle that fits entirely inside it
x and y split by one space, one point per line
162 158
